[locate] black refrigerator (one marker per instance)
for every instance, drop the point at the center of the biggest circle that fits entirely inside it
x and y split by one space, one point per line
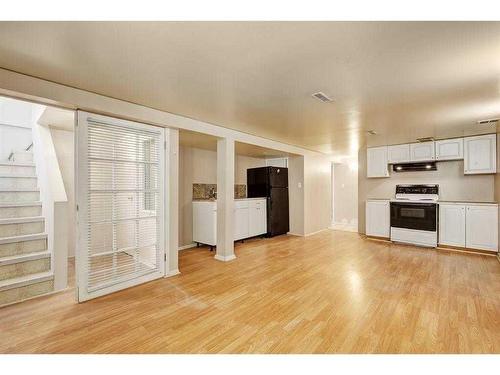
271 183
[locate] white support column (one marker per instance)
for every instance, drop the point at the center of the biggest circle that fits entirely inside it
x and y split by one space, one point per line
172 217
225 200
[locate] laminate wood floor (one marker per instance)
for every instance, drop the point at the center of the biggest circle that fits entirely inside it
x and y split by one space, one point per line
334 292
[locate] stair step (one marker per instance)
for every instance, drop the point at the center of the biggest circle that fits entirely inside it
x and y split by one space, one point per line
20 220
26 280
25 237
17 168
20 226
24 264
27 244
24 258
17 164
16 175
18 183
26 287
21 204
27 190
18 210
23 156
21 196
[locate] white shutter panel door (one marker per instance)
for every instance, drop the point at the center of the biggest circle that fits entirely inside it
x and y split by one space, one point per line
120 190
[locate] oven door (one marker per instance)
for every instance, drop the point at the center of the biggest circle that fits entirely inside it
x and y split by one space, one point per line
419 216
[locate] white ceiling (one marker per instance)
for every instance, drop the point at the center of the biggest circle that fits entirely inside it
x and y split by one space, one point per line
403 79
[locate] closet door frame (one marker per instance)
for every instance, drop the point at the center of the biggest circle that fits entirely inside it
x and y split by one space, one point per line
82 209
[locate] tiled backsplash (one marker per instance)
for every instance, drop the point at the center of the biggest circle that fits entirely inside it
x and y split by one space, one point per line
204 191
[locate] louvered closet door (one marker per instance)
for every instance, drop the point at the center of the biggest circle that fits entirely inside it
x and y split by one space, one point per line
120 192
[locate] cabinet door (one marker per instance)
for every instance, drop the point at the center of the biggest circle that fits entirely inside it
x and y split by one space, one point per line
452 225
399 154
480 154
423 151
376 162
377 218
481 223
257 218
450 149
241 223
205 223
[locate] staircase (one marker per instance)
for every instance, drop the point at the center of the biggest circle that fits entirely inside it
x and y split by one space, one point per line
25 261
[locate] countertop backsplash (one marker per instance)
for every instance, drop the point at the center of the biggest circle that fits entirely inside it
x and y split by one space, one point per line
204 191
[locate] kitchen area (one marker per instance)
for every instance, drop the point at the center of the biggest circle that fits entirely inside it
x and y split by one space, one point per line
432 193
261 195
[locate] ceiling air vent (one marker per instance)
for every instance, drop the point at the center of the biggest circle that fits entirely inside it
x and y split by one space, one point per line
322 96
488 121
371 132
425 139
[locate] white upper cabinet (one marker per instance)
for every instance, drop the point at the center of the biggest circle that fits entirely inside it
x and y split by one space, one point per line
482 227
480 154
452 224
399 153
376 162
450 149
423 151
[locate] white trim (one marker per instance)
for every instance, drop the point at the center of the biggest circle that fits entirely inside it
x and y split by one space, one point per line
172 273
347 227
81 157
295 234
318 231
223 258
191 245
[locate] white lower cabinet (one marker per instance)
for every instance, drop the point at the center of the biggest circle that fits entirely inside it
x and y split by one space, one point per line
257 216
241 220
482 227
250 219
378 218
452 224
473 226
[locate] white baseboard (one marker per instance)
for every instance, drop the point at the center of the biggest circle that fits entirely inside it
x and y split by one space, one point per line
295 234
225 258
313 233
172 273
347 227
189 246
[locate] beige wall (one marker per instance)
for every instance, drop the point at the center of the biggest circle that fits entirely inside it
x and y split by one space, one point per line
345 194
64 145
317 193
296 194
200 166
453 184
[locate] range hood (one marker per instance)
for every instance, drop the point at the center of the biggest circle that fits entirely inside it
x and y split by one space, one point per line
415 167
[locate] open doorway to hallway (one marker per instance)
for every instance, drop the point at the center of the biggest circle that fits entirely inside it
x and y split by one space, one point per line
345 195
37 210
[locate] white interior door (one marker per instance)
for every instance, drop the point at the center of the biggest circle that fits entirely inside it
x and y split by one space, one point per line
120 197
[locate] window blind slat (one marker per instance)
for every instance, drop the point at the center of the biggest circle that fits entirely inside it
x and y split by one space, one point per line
123 204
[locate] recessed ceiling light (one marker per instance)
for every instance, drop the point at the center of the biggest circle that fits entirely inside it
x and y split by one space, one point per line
322 97
490 121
